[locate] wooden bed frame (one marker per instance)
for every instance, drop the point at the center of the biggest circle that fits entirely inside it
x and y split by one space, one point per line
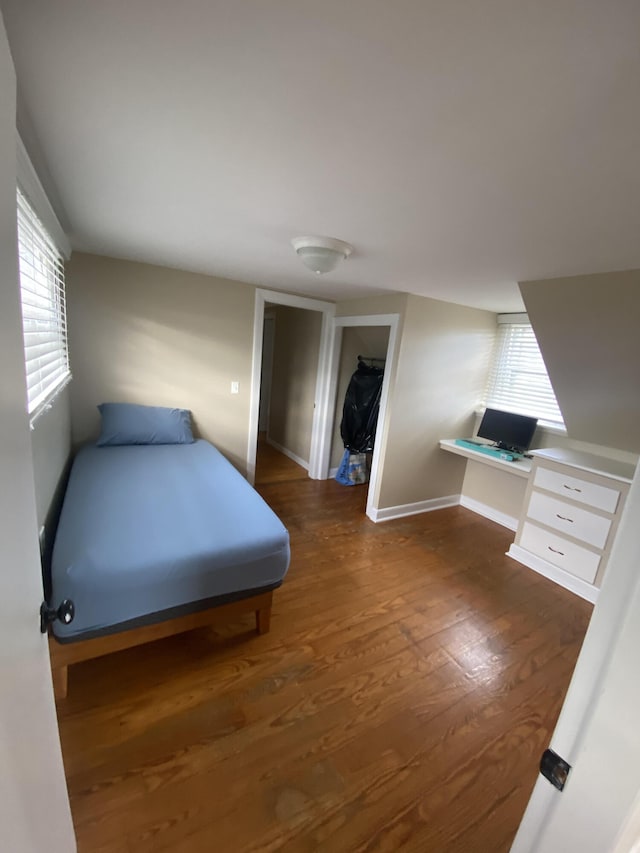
64 654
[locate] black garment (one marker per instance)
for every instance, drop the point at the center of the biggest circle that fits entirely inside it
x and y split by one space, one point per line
360 412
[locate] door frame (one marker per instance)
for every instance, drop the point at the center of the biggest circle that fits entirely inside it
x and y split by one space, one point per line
382 430
322 422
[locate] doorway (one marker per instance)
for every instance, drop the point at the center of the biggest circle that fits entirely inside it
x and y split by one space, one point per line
320 438
366 343
343 345
326 385
290 353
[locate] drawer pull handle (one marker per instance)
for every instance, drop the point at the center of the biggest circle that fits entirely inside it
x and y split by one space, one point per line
564 517
571 488
555 550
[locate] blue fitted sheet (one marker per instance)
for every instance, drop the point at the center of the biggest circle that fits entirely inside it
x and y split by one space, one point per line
147 529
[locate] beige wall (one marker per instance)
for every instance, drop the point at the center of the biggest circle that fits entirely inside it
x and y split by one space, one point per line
392 303
587 327
361 340
147 334
501 492
441 374
293 384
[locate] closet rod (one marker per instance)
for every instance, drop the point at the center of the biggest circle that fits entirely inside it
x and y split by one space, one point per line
371 358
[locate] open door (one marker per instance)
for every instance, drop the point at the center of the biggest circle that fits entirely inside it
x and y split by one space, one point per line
598 732
34 807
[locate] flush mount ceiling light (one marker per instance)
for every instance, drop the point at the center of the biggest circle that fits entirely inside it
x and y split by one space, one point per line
321 254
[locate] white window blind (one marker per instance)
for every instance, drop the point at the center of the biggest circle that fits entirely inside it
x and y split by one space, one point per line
518 379
44 319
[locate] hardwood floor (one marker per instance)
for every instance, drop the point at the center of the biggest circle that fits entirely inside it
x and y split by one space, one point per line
401 701
273 467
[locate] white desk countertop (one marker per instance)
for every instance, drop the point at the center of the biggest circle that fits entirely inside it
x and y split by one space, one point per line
614 468
519 467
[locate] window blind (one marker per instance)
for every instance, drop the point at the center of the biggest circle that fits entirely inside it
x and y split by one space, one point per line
44 319
518 379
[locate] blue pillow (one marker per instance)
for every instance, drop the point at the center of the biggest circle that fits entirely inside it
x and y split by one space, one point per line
128 423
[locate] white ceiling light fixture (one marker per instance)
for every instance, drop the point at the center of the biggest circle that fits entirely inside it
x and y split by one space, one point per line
321 254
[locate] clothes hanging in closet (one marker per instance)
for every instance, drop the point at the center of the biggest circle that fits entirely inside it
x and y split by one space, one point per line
361 406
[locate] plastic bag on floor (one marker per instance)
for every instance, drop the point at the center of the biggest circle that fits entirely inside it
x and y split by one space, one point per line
353 469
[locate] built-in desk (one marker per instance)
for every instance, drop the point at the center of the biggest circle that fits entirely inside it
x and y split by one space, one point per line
492 487
567 505
570 517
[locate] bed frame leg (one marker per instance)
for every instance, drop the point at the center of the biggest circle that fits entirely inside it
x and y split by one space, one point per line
60 681
263 619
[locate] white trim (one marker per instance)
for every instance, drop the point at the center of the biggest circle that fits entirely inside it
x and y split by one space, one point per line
388 513
565 579
288 453
489 512
320 450
367 320
47 404
333 472
321 428
377 460
31 186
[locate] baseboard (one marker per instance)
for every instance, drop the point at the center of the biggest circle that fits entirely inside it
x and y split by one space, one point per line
568 581
388 513
333 472
489 512
289 453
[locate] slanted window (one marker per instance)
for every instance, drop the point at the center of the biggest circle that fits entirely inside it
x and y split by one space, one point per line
44 320
518 379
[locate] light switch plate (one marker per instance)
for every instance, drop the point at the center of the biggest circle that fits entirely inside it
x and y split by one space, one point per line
235 387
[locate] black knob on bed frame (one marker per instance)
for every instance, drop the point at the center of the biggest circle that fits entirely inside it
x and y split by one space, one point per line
64 613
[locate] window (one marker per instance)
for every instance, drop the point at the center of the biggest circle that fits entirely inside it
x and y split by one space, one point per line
44 321
518 379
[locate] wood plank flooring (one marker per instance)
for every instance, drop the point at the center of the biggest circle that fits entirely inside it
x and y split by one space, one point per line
273 466
411 679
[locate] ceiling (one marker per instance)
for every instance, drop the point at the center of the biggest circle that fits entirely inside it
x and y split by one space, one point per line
459 146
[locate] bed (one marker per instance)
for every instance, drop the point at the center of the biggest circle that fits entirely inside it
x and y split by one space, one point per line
156 539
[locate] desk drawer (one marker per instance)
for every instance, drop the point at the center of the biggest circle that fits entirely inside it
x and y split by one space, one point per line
570 519
566 555
601 497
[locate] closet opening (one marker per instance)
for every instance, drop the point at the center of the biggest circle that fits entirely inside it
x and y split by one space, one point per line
363 354
290 356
